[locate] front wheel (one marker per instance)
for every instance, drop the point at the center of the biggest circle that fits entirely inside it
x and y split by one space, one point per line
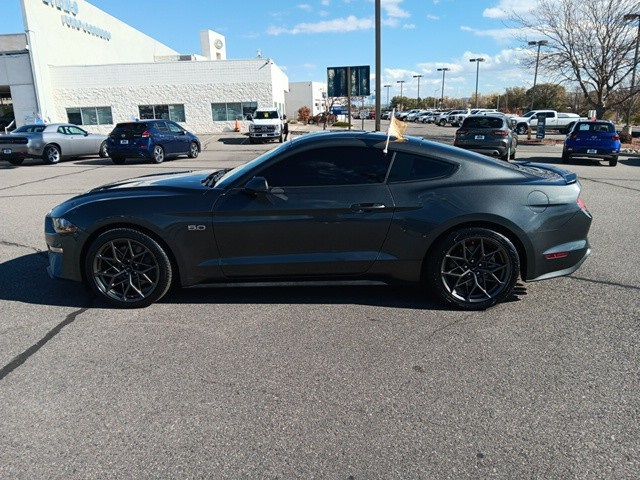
51 155
127 268
613 161
280 139
158 154
193 150
513 154
473 268
103 150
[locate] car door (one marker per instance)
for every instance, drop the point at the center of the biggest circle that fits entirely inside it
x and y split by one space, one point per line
327 212
180 138
165 138
83 143
67 141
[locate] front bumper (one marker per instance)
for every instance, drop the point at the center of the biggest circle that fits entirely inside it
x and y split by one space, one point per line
264 134
64 253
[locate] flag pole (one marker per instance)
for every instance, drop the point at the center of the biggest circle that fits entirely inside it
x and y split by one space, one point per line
391 119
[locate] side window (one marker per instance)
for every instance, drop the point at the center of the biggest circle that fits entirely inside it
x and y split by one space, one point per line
329 166
174 128
63 130
409 167
162 127
550 114
75 131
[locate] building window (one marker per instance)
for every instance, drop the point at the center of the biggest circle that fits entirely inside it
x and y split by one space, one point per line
175 112
90 116
227 112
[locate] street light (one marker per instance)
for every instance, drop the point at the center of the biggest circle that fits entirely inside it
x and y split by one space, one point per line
443 70
401 82
630 17
418 77
378 22
477 60
539 43
387 87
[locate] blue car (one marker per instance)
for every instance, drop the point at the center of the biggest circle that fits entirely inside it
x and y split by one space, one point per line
154 140
595 139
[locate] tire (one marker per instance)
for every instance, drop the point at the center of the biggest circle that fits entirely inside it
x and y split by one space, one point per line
513 153
467 283
117 262
522 129
16 161
158 154
505 157
194 150
280 139
613 161
118 160
51 154
442 123
566 157
103 150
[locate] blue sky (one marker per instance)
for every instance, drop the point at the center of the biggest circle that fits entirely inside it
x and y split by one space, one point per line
306 36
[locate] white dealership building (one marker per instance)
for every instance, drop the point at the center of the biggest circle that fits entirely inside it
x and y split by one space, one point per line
79 64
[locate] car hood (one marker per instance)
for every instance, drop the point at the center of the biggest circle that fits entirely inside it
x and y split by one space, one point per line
273 121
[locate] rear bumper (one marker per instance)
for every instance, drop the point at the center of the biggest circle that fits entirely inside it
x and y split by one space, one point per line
500 149
18 151
129 152
600 152
572 263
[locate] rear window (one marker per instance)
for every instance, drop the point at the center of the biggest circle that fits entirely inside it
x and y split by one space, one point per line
134 128
483 122
596 127
31 129
270 115
407 167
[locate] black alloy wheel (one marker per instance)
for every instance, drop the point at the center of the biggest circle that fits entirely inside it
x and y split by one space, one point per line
474 268
128 268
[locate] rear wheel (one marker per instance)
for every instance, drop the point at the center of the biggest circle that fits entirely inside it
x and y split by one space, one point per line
193 150
473 268
118 160
566 156
127 268
158 154
521 129
16 161
513 153
613 161
51 154
442 123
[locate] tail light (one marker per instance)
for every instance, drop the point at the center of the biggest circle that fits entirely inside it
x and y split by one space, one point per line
582 205
146 134
461 132
556 256
616 137
500 133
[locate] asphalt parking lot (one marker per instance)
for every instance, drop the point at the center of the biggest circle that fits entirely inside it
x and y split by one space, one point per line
347 381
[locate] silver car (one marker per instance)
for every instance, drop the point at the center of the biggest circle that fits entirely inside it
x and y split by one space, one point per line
51 143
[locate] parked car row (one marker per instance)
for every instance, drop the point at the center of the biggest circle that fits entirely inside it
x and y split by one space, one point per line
154 140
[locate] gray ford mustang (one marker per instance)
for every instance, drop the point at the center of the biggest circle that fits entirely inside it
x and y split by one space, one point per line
51 143
328 206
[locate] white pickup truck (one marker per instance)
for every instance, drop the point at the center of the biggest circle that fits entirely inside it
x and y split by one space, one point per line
266 124
561 121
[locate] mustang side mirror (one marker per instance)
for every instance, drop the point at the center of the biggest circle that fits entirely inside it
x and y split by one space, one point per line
257 186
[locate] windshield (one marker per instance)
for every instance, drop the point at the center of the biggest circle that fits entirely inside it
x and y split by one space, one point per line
234 174
31 129
266 115
595 127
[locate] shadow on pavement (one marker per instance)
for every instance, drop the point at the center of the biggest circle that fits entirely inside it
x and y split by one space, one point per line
25 279
234 140
631 161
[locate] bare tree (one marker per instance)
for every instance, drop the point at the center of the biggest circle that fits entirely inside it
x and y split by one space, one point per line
590 44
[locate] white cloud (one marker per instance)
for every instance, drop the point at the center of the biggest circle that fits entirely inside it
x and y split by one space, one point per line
433 17
501 35
305 6
504 8
393 9
337 25
325 3
323 13
408 26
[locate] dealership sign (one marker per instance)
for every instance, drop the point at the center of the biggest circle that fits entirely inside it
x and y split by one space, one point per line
69 18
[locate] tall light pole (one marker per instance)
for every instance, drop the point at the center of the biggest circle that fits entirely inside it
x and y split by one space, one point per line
539 43
378 15
477 61
443 70
418 77
629 18
387 86
401 82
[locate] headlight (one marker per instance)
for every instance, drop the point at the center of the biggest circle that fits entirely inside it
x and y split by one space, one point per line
252 127
64 226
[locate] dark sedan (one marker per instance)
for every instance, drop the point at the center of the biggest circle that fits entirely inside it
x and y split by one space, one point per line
488 134
328 206
154 140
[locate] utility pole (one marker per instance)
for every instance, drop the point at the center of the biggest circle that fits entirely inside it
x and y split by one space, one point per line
387 87
539 43
418 77
401 82
378 16
629 18
443 70
477 61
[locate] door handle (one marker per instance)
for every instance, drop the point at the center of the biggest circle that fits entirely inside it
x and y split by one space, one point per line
367 207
